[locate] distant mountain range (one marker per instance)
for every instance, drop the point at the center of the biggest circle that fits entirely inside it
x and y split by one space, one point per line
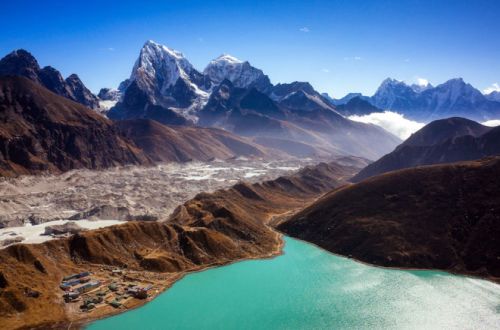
426 102
441 141
233 95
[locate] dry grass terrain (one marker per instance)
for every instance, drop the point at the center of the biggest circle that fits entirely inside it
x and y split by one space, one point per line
439 217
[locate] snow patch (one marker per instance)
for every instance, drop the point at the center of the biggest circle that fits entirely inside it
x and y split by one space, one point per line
107 104
32 234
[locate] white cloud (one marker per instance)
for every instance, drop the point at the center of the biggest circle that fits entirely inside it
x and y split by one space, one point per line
304 29
325 70
111 49
353 58
392 122
492 123
422 82
493 88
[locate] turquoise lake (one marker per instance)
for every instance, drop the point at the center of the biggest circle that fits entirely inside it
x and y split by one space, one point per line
308 288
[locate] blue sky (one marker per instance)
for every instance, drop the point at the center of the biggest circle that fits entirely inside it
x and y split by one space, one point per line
338 45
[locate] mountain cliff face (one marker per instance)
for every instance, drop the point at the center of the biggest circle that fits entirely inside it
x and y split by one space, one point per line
41 131
240 73
163 86
442 216
442 141
22 63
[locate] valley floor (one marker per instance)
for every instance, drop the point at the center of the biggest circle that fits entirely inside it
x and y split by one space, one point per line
125 193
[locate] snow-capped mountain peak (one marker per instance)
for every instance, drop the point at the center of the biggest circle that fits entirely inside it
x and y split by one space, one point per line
456 90
228 59
159 67
391 92
241 73
421 85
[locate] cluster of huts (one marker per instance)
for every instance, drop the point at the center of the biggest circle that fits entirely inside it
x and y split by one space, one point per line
76 285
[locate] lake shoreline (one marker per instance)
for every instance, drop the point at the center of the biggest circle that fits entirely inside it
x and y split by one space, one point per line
83 323
274 254
311 275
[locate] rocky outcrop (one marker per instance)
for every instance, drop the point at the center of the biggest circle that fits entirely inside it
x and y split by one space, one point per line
41 131
69 227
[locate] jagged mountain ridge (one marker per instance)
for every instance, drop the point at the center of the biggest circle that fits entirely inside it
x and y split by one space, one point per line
426 102
163 86
233 95
23 63
298 118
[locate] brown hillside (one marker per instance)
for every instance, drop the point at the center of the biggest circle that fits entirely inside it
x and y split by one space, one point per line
442 216
180 144
41 131
211 229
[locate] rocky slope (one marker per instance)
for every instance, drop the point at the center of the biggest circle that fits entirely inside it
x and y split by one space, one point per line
442 141
163 86
22 63
41 131
181 144
439 217
212 229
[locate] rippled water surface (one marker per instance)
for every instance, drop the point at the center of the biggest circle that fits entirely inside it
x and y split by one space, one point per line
308 288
